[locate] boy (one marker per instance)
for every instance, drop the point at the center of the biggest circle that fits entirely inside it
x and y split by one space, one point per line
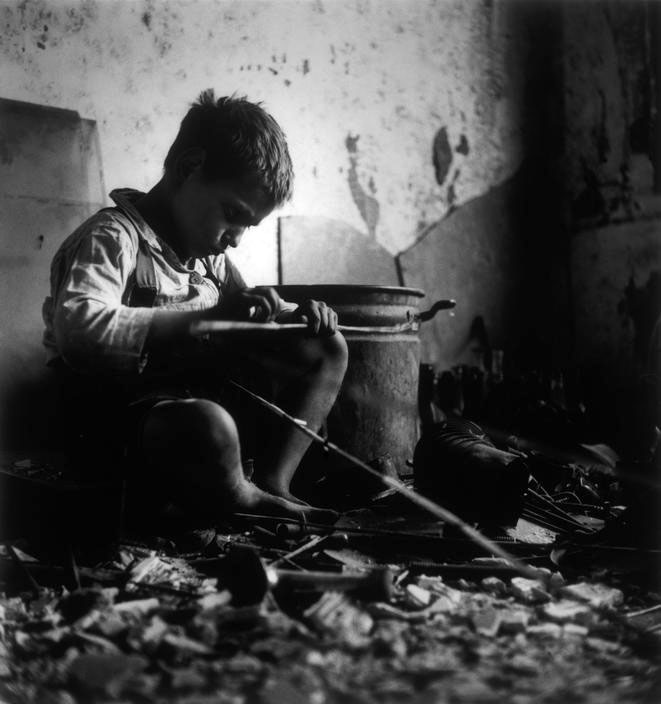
129 282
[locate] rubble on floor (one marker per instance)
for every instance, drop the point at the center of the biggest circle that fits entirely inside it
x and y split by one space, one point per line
152 627
384 607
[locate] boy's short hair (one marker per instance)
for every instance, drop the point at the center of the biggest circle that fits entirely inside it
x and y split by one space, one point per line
241 141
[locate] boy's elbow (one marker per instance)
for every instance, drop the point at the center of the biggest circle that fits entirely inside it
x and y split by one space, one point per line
75 353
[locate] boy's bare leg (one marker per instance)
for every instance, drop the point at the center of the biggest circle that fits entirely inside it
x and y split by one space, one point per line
311 372
194 446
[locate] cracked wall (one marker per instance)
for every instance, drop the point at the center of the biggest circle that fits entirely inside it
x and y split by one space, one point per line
362 89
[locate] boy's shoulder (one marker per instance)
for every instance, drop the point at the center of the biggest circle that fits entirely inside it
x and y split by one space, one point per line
110 224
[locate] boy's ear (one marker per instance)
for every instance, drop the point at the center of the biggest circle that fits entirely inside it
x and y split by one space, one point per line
187 162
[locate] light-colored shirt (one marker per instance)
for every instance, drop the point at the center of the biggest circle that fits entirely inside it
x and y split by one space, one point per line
88 322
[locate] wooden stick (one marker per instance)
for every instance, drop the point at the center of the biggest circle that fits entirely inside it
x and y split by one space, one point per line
422 501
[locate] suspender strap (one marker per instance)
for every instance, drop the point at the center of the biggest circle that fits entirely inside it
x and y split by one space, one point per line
144 289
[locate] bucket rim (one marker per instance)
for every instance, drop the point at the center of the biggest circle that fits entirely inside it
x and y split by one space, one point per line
361 288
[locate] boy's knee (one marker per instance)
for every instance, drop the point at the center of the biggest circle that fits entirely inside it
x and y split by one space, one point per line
197 426
335 348
330 352
207 422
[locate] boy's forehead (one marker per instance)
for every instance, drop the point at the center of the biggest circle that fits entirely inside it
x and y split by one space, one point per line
251 198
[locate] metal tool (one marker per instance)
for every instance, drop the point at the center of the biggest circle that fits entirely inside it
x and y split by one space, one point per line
205 328
248 579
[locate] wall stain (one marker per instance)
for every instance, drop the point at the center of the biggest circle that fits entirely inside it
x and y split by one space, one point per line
146 19
306 67
462 147
441 155
367 205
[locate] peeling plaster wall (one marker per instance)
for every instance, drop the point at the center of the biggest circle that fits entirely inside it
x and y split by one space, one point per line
612 206
397 111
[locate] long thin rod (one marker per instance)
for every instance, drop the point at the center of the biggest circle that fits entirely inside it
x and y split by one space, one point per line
422 501
215 327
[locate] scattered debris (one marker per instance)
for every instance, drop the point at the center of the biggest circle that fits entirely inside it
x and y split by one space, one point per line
597 595
529 591
567 611
151 627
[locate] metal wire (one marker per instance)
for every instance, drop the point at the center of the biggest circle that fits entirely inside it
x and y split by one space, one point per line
421 501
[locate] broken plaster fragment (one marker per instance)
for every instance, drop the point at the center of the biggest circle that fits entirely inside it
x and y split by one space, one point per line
137 607
215 600
597 595
487 621
529 591
568 611
335 614
545 630
495 586
514 621
420 596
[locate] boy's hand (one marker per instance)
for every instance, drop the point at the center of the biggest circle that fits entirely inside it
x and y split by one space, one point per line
321 319
260 304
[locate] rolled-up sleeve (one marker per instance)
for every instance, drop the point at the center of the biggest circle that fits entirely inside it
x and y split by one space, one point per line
93 329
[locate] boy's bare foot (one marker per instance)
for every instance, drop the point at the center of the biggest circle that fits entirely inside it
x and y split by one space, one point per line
249 498
281 492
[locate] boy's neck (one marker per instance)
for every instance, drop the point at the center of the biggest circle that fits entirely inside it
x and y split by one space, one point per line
154 206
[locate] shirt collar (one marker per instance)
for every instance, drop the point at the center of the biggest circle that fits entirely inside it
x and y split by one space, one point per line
124 199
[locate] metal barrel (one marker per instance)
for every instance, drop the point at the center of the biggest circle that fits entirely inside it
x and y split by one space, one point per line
376 412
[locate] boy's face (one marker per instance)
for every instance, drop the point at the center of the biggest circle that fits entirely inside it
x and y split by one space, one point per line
211 216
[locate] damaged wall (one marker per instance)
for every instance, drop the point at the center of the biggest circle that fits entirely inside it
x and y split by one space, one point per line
506 139
396 111
612 197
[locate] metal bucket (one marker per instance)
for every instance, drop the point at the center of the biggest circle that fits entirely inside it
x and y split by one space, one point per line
376 412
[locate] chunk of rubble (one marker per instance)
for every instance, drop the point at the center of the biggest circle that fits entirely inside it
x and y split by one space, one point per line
553 580
523 665
487 621
494 586
530 591
448 598
419 596
568 611
573 630
545 630
336 615
215 600
601 645
597 595
514 621
137 607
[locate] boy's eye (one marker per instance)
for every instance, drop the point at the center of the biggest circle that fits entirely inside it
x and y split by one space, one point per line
230 212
